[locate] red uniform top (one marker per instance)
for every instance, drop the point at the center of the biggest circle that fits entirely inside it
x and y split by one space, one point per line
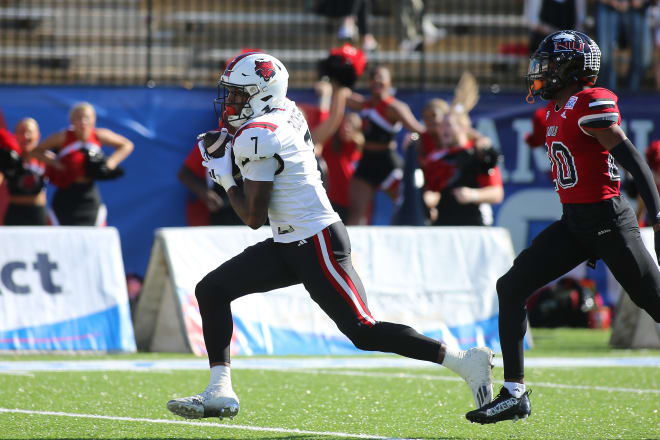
439 167
73 159
341 159
582 169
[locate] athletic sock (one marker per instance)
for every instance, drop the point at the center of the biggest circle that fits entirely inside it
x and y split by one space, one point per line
220 378
515 389
453 359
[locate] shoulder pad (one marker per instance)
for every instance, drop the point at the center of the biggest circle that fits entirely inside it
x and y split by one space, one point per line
256 140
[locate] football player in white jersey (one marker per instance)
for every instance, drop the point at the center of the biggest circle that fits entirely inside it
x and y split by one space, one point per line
274 151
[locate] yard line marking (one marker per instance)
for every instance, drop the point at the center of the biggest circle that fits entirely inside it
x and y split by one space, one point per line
183 422
275 363
458 379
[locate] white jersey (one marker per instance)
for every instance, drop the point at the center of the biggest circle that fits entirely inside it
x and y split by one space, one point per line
299 206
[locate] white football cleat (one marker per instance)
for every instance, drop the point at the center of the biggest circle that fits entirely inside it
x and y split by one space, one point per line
207 404
475 367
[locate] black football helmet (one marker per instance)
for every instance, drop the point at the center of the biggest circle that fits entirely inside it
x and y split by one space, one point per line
562 58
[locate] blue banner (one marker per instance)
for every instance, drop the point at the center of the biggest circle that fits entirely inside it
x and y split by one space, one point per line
163 123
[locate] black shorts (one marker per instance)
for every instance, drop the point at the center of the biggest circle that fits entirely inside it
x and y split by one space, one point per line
380 168
26 215
78 205
322 263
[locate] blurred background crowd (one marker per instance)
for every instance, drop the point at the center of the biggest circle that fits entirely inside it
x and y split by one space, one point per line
96 93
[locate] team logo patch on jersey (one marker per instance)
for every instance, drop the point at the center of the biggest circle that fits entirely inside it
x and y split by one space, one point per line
552 131
571 102
264 69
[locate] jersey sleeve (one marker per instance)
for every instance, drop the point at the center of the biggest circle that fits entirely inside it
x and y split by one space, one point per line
262 170
599 110
254 141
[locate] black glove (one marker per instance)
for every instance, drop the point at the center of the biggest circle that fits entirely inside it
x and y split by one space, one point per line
97 167
656 243
10 163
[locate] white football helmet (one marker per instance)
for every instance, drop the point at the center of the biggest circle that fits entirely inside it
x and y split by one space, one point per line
263 80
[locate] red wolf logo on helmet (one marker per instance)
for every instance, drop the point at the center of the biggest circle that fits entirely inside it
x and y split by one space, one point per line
264 69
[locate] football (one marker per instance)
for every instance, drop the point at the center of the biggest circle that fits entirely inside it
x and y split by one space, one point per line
215 142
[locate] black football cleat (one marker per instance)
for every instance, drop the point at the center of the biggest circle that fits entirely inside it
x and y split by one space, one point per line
503 407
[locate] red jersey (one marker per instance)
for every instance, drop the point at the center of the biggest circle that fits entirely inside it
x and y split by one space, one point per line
582 169
341 158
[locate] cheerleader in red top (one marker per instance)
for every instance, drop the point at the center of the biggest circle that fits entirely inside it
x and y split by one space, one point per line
342 153
381 167
25 181
77 201
461 182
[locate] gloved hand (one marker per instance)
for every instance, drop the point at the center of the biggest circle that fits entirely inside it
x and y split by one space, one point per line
215 142
220 168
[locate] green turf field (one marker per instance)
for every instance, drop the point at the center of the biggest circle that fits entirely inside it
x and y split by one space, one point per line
608 403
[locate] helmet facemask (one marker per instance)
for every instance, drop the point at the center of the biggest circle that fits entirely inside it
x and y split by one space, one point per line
233 103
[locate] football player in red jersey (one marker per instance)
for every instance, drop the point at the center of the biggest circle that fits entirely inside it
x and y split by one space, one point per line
584 139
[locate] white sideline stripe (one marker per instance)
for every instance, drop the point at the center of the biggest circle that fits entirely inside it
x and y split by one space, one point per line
458 379
183 422
278 363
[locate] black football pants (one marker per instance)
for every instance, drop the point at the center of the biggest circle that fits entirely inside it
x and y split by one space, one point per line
322 263
607 230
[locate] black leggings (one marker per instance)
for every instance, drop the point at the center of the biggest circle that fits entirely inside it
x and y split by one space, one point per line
322 263
607 230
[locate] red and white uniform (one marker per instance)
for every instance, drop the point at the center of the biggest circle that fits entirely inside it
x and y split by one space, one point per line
583 171
342 159
73 159
299 207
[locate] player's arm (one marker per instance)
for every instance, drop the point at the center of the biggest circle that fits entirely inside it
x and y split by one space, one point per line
255 149
251 203
617 143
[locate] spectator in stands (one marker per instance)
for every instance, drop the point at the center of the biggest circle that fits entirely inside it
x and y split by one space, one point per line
417 29
609 19
638 34
25 177
655 19
79 162
355 16
380 167
547 16
462 179
209 204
